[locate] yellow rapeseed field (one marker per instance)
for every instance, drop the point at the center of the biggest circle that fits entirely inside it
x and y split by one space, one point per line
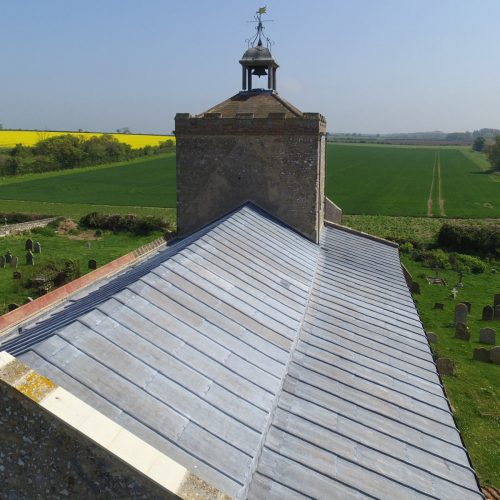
9 138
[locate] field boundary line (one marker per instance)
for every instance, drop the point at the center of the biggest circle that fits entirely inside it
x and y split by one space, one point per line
429 199
440 195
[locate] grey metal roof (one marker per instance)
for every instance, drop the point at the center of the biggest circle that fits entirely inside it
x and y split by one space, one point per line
270 366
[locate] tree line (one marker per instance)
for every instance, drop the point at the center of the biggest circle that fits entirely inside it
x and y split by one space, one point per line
492 150
70 151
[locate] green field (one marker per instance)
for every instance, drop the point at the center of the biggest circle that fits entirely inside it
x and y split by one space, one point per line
398 181
145 183
362 179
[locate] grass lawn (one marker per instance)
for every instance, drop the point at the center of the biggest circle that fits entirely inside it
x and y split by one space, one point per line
420 230
474 390
77 210
105 249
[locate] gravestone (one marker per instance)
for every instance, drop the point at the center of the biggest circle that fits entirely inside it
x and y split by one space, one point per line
431 336
29 244
92 264
469 306
481 354
438 305
495 355
2 261
461 331
487 336
415 288
445 366
496 300
487 313
461 312
30 260
496 313
8 257
37 248
14 262
17 275
454 293
12 306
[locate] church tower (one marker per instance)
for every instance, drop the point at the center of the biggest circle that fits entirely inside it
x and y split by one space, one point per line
254 147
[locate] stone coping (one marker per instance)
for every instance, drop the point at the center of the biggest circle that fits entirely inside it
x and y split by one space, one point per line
105 432
362 234
46 302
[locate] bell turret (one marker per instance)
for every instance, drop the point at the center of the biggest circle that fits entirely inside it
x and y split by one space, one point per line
257 59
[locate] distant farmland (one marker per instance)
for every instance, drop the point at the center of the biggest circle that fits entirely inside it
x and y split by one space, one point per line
410 181
9 138
362 179
147 182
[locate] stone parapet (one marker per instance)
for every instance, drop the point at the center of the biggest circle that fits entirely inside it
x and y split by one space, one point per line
245 123
55 444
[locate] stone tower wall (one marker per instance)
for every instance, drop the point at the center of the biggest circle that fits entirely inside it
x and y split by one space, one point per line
275 162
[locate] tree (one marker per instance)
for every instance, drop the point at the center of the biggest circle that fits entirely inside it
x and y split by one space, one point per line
493 152
478 144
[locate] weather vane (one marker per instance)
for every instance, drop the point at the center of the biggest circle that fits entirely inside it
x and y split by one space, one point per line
260 29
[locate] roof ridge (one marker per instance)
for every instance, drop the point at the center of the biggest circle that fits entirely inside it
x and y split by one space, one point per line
270 419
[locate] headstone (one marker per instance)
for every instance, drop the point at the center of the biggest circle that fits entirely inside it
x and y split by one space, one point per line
487 313
454 293
2 261
415 287
8 257
496 313
469 306
29 244
445 366
17 275
37 248
496 300
431 336
461 312
12 306
92 264
487 336
14 262
438 305
481 354
30 260
495 355
461 331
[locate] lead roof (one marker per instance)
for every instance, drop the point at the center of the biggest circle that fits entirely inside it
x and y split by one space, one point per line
268 365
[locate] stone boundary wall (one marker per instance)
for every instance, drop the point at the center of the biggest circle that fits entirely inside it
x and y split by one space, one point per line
54 446
25 226
12 319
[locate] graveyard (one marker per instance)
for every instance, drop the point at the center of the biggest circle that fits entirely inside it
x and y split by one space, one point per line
472 385
49 251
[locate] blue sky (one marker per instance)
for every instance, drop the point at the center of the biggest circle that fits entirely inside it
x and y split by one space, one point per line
367 65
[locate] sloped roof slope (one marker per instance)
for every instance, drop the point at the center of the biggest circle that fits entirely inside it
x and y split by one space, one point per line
258 102
271 366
